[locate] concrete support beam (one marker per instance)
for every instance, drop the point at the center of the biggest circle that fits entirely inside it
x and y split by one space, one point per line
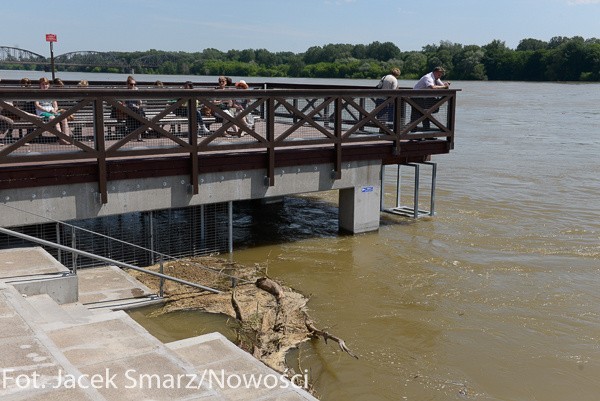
359 183
359 208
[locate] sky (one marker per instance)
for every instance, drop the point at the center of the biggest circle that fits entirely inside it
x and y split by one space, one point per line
284 25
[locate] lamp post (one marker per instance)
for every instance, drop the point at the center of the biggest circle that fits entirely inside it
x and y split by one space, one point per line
51 38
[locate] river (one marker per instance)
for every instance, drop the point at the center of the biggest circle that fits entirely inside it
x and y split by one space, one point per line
497 297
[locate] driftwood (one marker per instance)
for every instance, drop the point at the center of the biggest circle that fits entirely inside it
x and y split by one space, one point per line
277 291
236 306
270 286
273 318
325 335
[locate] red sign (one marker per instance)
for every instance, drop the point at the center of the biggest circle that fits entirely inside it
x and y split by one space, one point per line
50 37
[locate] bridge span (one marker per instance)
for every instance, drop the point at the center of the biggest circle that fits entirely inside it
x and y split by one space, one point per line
81 58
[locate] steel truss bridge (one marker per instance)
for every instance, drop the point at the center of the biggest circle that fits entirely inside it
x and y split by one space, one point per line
88 58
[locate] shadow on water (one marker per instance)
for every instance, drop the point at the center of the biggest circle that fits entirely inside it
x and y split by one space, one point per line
287 220
291 219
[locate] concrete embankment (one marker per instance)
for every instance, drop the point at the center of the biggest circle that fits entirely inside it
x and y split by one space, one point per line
62 336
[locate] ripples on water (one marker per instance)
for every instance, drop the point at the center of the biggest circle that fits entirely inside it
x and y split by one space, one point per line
494 298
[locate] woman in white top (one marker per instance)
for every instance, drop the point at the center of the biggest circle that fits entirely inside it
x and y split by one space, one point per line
389 81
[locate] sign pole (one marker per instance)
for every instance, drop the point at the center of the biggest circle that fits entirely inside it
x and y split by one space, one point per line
51 38
52 59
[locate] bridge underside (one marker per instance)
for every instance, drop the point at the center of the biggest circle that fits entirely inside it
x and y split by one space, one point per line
69 191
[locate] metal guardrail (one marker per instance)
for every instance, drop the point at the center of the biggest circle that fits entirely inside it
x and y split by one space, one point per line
104 259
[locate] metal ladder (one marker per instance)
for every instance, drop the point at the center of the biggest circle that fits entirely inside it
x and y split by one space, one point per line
405 210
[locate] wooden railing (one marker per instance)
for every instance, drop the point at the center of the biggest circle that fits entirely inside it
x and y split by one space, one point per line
283 118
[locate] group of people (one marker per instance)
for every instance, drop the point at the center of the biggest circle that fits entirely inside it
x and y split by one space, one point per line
44 109
232 107
432 80
48 109
228 108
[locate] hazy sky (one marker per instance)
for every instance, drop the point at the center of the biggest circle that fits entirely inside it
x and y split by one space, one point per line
282 25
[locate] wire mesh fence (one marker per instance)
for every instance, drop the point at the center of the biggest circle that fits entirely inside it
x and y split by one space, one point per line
140 238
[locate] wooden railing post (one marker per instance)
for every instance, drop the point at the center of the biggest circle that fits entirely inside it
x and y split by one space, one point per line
399 117
270 178
451 118
337 130
193 138
101 149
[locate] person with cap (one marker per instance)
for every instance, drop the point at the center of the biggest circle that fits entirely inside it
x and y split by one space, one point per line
432 80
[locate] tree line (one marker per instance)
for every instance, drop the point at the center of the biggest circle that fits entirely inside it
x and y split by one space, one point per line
559 59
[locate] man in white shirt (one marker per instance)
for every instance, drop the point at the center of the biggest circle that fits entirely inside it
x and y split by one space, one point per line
433 80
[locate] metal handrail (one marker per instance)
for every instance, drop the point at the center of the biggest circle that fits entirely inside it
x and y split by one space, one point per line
161 256
104 259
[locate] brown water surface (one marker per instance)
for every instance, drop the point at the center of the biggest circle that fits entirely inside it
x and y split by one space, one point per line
497 297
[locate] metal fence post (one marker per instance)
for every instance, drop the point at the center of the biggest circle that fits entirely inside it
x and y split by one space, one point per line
74 246
162 280
230 225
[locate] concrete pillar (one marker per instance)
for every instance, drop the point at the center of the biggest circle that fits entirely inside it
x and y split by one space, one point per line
359 208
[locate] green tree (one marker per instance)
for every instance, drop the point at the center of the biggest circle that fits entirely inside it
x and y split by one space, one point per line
532 44
497 60
414 64
212 54
247 56
566 62
468 63
383 51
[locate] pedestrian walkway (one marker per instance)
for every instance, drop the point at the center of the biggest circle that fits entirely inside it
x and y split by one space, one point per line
56 348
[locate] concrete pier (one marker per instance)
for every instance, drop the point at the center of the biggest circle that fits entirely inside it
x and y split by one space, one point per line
54 349
359 194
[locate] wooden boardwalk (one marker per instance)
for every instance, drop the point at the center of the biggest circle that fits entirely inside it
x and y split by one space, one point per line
294 126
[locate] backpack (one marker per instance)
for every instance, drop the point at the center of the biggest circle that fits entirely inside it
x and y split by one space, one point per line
380 84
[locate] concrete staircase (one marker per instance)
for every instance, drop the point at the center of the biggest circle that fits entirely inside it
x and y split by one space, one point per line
86 350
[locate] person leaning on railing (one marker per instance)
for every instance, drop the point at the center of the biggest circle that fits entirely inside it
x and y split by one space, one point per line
433 80
389 81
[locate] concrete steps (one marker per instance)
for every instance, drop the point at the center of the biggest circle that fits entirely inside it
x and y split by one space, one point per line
46 310
220 360
110 288
102 354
